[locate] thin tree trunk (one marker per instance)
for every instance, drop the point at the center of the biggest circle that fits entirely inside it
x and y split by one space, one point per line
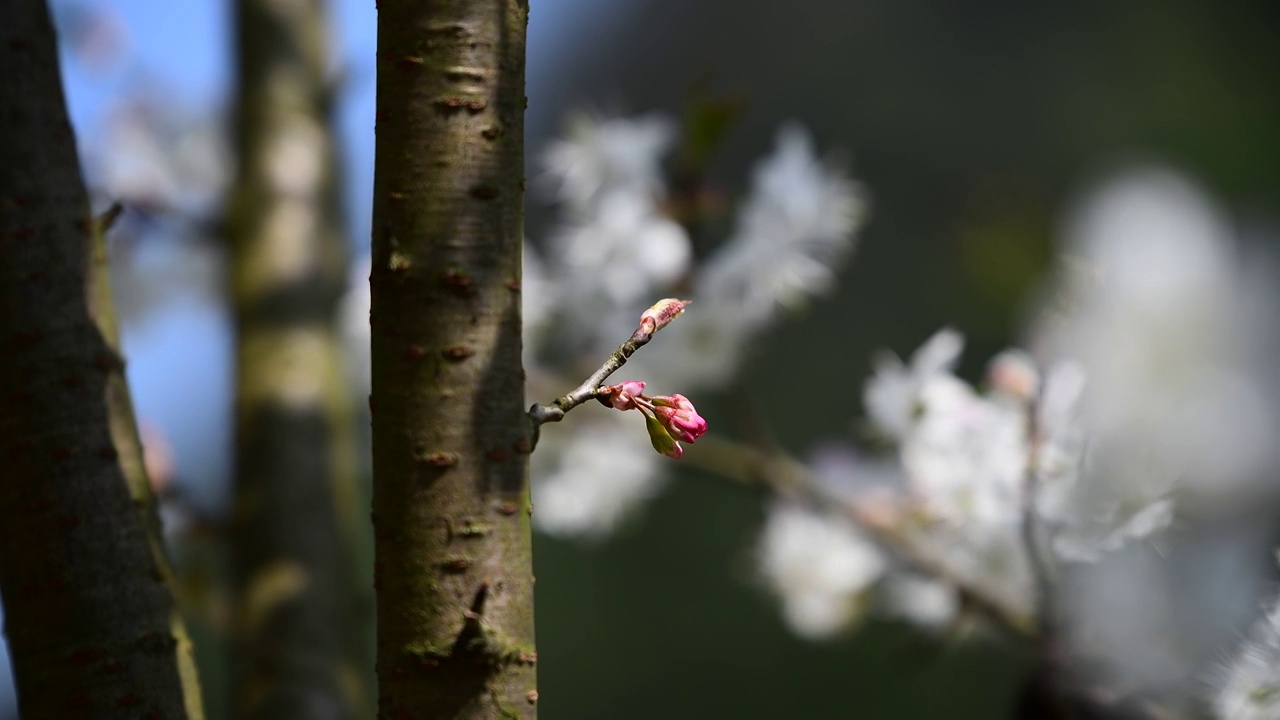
90 618
450 437
295 454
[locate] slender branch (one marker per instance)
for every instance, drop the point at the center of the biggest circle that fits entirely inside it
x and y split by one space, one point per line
589 389
651 321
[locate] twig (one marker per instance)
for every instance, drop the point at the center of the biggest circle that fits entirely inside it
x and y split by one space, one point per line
653 320
107 220
590 387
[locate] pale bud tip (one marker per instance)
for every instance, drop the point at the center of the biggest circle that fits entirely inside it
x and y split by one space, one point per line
661 314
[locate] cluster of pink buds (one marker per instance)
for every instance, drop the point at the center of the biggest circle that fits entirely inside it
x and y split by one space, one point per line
670 419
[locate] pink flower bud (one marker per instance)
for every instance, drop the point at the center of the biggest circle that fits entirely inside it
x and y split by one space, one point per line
670 419
678 415
661 314
623 395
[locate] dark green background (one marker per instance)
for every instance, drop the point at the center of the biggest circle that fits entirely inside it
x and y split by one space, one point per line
974 126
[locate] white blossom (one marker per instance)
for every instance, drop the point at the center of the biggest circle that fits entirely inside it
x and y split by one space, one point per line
1250 685
793 231
820 565
964 461
965 456
1171 322
891 395
615 250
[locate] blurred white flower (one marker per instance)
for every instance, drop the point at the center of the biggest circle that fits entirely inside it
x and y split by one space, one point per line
615 250
793 231
1173 326
964 461
964 455
819 565
919 599
1177 340
1249 688
1061 440
618 155
892 394
619 253
1081 531
591 471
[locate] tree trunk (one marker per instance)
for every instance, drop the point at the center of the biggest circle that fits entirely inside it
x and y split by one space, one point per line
90 618
453 567
296 487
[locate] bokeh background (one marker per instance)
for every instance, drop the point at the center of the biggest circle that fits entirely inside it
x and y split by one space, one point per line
975 129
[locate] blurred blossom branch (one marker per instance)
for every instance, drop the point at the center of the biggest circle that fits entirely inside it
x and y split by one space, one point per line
879 517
